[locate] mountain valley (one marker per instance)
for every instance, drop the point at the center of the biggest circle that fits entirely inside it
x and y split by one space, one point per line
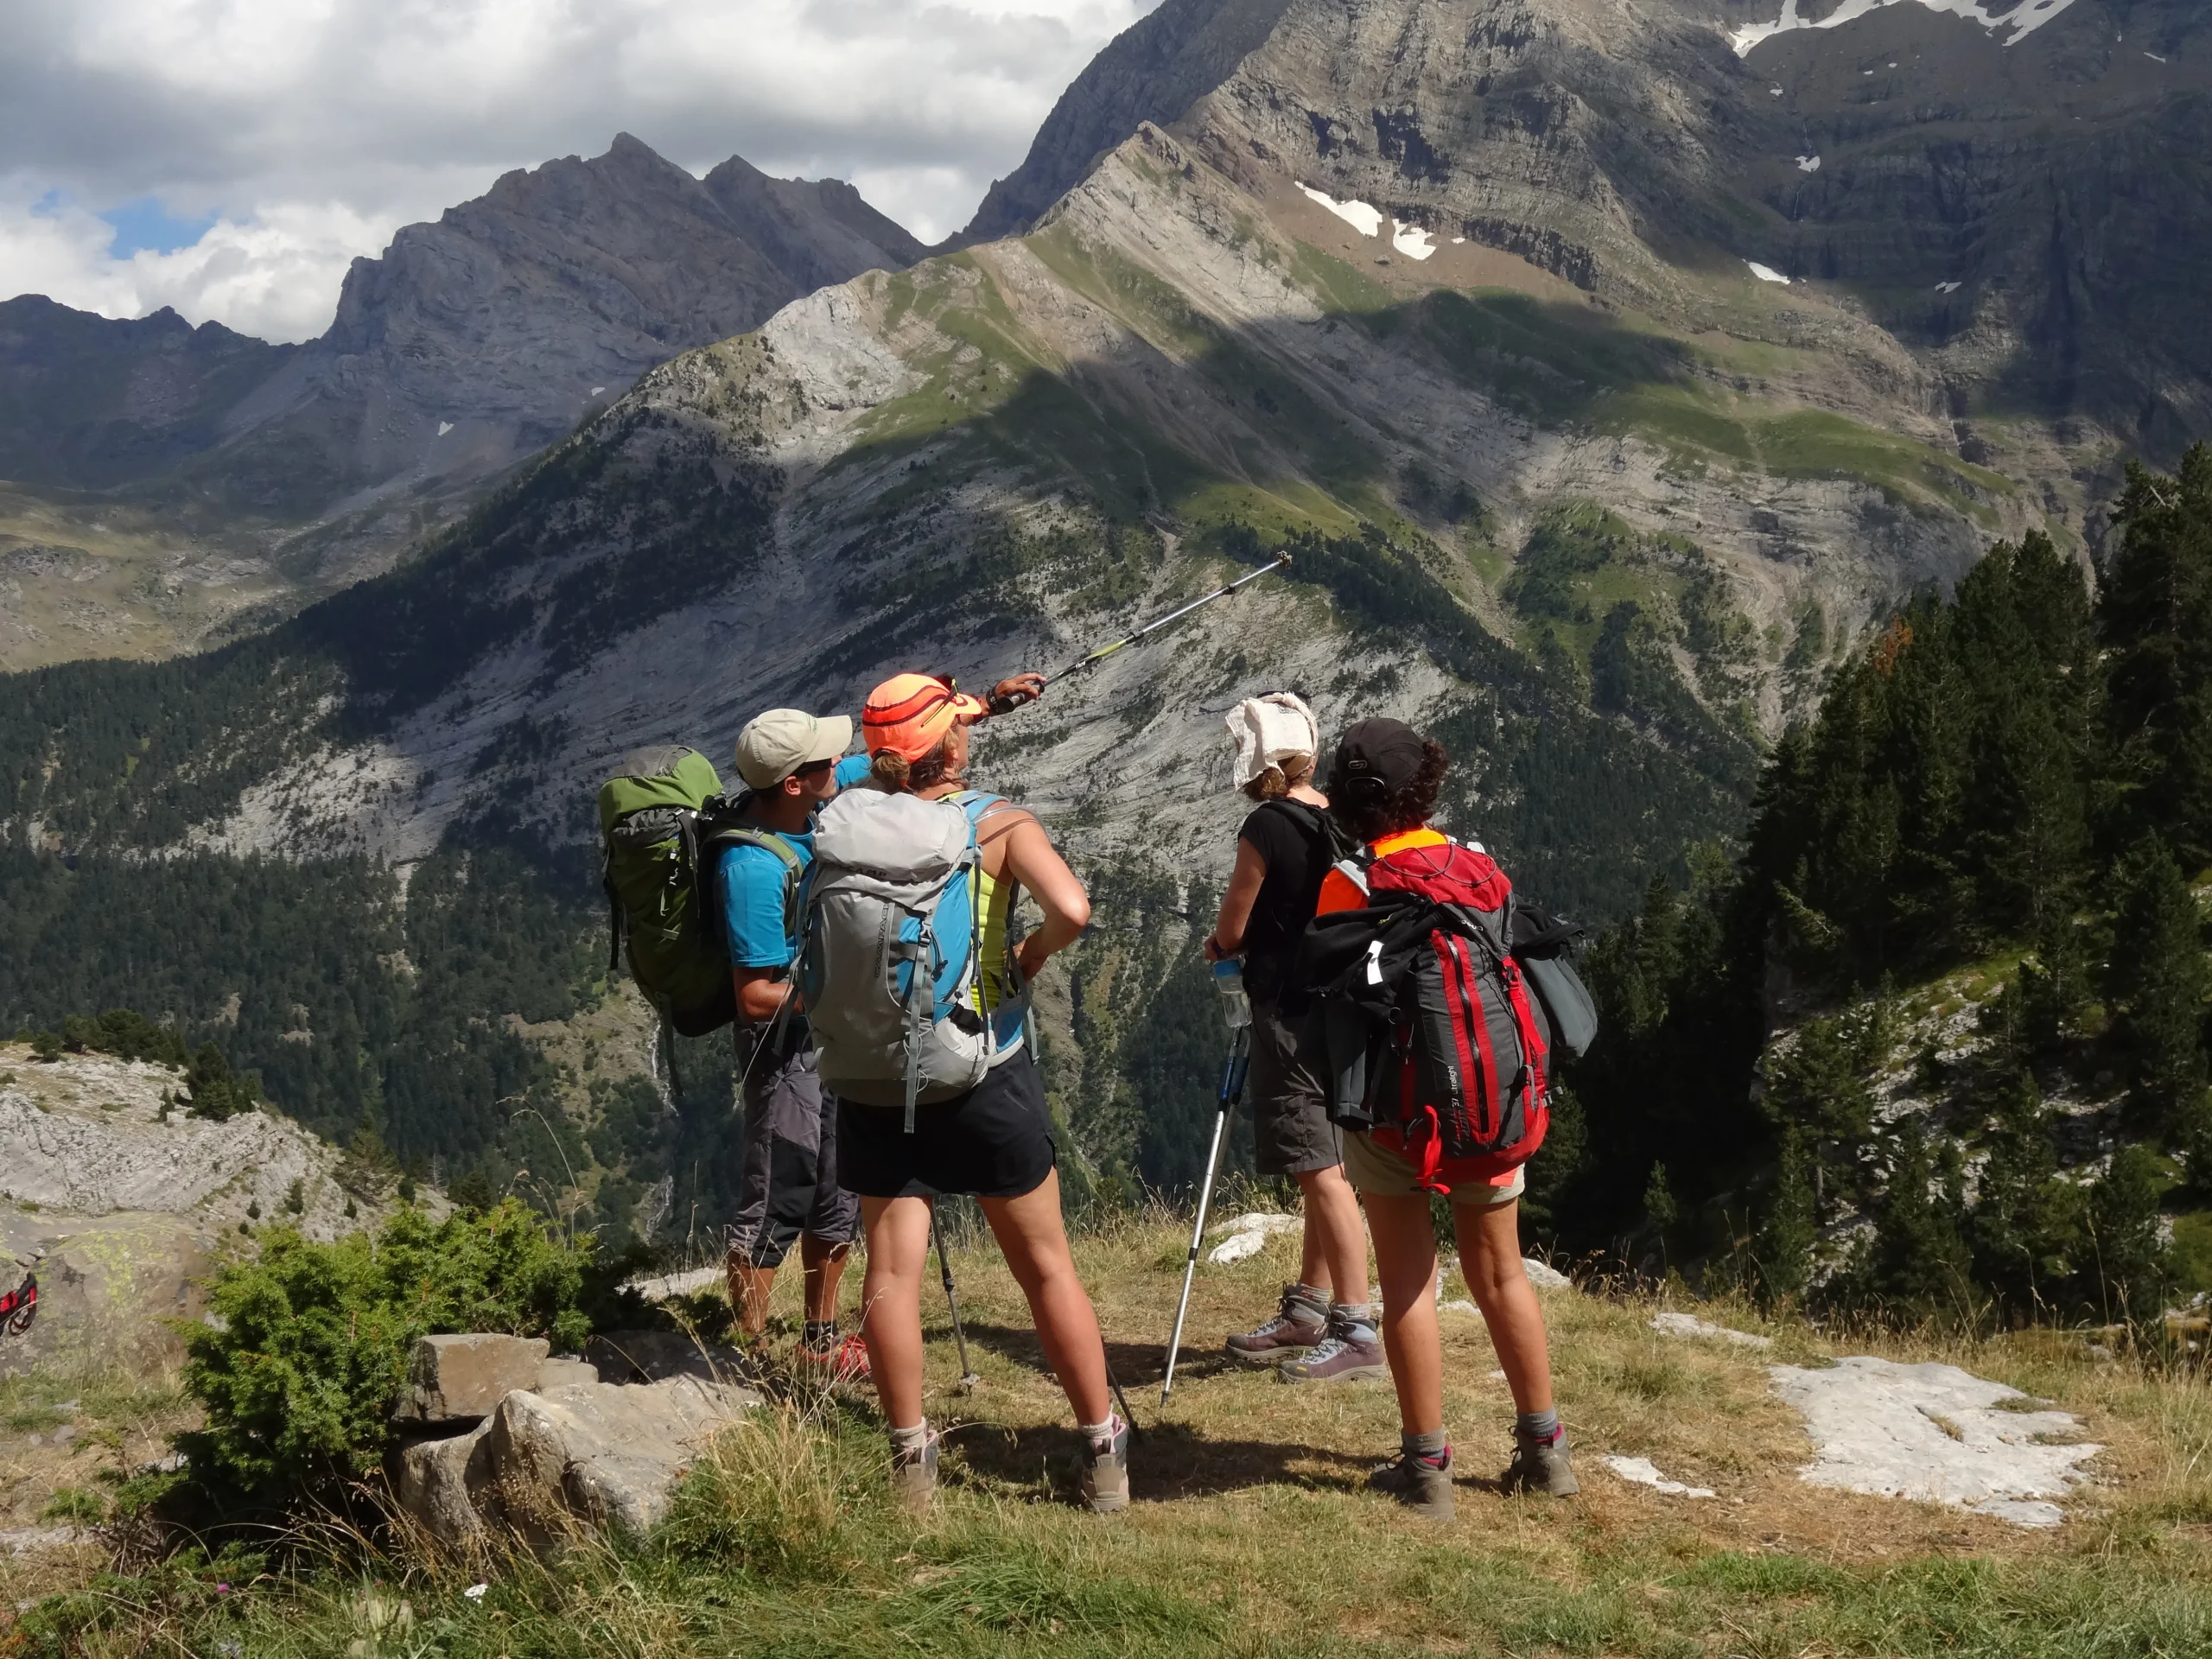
1478 306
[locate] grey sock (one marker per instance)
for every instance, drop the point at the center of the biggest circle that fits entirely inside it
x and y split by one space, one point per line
910 1442
1312 1297
1432 1446
1537 1427
1101 1435
1353 1321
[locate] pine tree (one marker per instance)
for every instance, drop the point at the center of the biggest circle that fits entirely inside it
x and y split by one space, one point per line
2158 980
2054 987
2130 1272
1784 1248
2154 614
1818 1086
2026 1229
1919 1259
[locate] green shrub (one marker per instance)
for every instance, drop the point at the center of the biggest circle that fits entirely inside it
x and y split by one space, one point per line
299 1382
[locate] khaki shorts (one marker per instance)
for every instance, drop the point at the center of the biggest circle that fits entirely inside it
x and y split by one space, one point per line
1384 1173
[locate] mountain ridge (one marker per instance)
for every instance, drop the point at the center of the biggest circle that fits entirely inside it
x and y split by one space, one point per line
473 342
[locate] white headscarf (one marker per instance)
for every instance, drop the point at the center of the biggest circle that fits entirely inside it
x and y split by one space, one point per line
1270 730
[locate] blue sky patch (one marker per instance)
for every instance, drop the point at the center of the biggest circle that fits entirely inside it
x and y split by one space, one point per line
145 223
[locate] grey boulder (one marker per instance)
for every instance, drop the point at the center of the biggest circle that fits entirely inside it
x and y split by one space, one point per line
462 1379
446 1486
605 1453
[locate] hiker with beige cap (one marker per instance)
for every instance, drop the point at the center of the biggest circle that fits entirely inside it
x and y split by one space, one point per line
788 1188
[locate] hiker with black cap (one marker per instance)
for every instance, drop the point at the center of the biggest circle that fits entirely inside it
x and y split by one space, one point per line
1437 1045
1323 1331
788 1187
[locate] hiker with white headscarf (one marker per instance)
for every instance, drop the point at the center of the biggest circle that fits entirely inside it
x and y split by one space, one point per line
1323 1331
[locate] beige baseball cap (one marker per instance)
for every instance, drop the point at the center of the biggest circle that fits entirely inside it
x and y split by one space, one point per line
775 745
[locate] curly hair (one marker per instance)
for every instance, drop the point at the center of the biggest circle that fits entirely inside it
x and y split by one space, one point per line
1370 815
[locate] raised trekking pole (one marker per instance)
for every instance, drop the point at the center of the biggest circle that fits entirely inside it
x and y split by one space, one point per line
1237 1007
968 1378
1280 561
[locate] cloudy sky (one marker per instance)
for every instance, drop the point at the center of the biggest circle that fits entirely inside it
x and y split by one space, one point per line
230 157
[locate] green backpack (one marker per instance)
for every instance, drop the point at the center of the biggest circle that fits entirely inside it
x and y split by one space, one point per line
663 822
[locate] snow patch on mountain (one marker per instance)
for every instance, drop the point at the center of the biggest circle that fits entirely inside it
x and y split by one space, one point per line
2022 22
1366 221
1411 239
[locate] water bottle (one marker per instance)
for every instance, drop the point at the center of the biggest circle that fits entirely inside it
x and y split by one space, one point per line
1229 980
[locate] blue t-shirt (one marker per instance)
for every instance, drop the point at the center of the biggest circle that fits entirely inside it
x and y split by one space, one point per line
753 886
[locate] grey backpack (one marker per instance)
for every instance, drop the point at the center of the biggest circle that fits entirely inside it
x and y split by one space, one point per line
887 951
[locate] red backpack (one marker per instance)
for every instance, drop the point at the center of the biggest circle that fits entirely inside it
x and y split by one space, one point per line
1439 1046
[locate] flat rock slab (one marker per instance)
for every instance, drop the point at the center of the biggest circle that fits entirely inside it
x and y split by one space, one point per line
1642 1471
462 1379
1934 1432
1688 1325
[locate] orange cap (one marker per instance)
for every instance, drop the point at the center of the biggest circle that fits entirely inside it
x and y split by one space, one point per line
910 715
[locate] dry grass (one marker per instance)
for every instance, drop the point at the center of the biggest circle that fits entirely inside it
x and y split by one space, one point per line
1251 1533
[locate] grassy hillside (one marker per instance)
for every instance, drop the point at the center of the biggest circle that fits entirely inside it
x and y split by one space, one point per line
1250 1533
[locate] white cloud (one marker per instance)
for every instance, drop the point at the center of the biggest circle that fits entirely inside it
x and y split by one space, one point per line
310 129
276 275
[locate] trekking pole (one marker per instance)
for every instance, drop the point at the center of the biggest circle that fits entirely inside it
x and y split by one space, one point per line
1232 1088
1280 561
968 1378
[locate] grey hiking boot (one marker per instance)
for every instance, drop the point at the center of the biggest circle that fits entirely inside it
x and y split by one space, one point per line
1106 1470
1540 1466
1300 1322
913 1474
1423 1484
1350 1353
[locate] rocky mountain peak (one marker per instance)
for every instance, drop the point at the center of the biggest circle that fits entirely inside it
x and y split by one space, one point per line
473 341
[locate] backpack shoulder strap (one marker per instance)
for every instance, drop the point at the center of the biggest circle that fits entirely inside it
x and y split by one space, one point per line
769 842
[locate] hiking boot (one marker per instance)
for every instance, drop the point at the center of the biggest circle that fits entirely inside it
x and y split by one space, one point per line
839 1365
913 1475
1542 1466
1423 1484
1300 1323
1343 1356
1106 1470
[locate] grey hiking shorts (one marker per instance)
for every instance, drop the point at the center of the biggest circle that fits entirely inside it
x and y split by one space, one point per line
789 1185
1291 1131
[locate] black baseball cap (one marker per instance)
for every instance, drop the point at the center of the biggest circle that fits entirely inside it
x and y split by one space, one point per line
1381 751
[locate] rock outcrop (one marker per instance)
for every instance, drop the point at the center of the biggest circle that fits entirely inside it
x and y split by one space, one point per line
462 1379
132 1207
561 1450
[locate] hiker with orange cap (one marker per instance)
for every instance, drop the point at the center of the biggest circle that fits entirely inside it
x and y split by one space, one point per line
918 989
